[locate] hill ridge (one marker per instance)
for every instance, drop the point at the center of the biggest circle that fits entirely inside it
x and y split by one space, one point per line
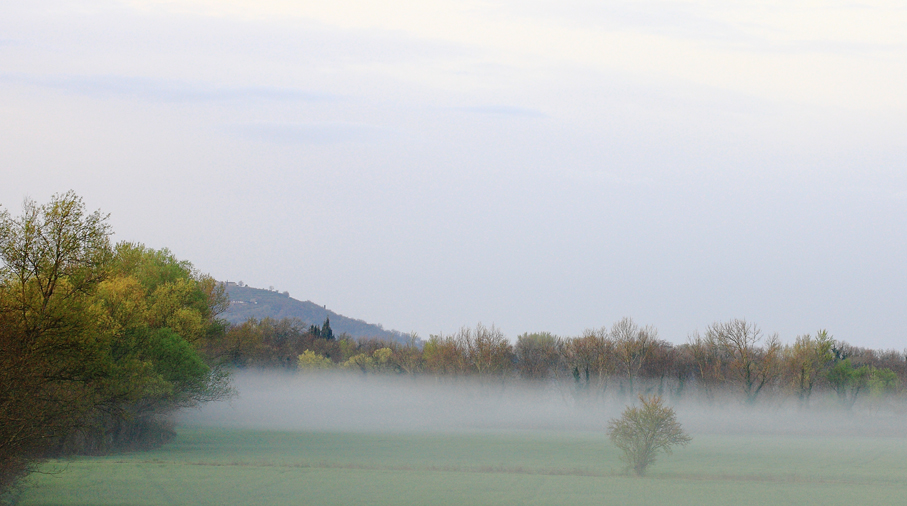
249 302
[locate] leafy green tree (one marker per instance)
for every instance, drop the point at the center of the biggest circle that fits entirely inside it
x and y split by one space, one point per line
161 315
882 381
643 432
53 366
848 381
97 342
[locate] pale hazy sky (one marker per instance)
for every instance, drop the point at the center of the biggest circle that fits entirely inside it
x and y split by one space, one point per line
537 165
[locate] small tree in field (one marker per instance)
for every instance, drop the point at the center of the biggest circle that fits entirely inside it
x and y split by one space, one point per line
642 432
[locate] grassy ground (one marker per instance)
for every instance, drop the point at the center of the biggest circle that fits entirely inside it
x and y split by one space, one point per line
236 467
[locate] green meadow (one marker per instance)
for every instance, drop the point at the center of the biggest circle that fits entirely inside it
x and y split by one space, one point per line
249 467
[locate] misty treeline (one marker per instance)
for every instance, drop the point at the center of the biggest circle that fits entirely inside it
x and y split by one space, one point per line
730 359
99 342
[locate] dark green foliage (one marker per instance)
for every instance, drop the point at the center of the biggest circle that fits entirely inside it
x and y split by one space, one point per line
326 332
176 362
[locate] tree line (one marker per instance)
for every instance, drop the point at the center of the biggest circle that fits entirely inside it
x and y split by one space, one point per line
99 342
731 357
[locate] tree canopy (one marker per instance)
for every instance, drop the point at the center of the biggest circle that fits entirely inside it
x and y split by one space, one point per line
97 341
643 432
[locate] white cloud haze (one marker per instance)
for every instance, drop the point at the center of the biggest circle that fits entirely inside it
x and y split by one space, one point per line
540 166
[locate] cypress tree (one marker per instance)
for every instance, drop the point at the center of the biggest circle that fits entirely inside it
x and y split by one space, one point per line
326 332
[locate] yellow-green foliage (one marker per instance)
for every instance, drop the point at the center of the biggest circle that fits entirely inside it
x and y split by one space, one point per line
362 361
384 358
348 348
310 360
882 381
93 337
643 432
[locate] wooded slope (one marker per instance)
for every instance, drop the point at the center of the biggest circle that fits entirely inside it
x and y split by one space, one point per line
247 302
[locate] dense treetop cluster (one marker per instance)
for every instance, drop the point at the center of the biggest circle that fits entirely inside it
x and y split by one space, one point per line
98 341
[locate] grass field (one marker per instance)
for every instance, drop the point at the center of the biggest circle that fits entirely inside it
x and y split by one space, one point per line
245 467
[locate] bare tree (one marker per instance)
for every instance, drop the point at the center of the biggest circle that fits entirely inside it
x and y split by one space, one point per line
665 365
409 356
487 349
445 355
632 346
537 355
709 362
483 350
751 365
590 360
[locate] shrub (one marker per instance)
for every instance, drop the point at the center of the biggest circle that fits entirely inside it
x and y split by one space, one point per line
643 432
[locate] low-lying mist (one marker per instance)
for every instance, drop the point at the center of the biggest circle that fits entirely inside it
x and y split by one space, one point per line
352 402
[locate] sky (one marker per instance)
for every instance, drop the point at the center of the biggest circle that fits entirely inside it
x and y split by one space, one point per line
539 166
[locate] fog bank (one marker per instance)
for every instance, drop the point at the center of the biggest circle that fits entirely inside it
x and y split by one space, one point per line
345 402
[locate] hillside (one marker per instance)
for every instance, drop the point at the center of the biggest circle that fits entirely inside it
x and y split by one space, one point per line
247 302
